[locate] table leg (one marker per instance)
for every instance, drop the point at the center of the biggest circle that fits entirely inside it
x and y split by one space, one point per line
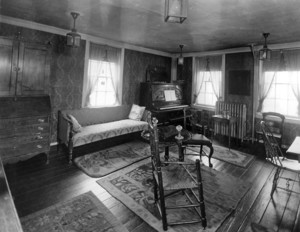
211 151
166 153
229 133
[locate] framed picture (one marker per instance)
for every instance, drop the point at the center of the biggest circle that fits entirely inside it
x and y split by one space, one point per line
239 82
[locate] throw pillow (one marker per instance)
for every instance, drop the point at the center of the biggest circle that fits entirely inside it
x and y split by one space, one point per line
76 125
136 112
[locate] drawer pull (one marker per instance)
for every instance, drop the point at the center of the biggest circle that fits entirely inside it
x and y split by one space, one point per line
41 120
40 128
39 146
39 137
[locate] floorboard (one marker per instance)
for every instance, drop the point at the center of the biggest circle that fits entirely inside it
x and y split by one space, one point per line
35 186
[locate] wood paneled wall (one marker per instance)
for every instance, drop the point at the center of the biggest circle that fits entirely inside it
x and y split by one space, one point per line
67 70
135 66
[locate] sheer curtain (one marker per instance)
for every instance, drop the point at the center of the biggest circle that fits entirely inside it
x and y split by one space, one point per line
292 64
100 55
199 75
207 68
265 82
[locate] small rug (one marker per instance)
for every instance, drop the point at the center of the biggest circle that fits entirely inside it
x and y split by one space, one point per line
235 157
84 213
109 160
133 186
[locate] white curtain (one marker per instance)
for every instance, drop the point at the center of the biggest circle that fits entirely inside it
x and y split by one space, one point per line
103 55
207 67
292 58
198 78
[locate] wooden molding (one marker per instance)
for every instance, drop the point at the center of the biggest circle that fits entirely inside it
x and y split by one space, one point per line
59 31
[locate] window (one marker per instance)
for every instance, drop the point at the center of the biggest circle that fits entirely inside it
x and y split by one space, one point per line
207 81
281 97
207 94
103 93
279 84
103 86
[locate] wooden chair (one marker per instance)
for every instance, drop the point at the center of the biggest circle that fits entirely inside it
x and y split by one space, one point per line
172 178
201 122
275 122
275 156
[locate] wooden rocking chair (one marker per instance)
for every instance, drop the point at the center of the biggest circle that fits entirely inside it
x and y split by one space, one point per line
275 156
174 179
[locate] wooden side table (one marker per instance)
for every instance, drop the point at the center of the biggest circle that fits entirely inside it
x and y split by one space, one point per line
226 120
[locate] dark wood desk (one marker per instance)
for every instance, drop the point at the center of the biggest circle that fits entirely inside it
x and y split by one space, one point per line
226 120
294 149
9 220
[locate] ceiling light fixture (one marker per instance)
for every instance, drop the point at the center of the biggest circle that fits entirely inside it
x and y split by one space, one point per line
73 38
265 52
176 11
180 58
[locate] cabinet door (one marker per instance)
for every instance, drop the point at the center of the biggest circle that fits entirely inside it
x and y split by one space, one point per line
7 67
34 64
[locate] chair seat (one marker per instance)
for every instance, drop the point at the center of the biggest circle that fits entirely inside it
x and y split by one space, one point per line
197 139
176 177
292 165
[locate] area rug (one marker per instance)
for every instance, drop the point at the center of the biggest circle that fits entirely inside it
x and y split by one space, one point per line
133 187
109 160
232 156
84 213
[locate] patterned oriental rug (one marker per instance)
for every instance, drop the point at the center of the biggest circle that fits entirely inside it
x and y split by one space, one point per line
235 157
133 187
84 213
109 160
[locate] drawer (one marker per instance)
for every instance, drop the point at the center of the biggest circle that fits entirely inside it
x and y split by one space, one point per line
25 149
27 130
18 140
8 124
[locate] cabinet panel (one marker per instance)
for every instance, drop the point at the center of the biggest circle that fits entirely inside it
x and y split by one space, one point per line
34 70
24 68
6 61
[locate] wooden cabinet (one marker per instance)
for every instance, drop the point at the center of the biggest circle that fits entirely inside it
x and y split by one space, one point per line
24 68
24 127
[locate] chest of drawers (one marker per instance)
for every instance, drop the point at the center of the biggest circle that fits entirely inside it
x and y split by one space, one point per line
24 127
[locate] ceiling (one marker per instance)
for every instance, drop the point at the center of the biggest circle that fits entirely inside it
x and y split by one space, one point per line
211 24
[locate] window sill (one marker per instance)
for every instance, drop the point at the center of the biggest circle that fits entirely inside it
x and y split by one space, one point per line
204 107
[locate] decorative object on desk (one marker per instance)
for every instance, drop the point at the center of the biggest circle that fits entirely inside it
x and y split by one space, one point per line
179 129
109 160
133 186
82 213
176 11
73 38
235 157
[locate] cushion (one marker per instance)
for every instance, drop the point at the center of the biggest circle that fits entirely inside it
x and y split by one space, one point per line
76 125
136 112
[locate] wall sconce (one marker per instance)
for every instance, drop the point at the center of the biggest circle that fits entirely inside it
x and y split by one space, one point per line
73 38
180 58
265 52
176 11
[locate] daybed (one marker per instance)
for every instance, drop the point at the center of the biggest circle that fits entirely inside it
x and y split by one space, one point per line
79 127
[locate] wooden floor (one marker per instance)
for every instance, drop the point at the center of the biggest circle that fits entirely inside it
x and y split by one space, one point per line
35 185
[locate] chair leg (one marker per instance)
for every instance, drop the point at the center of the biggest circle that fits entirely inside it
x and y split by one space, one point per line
162 202
275 181
201 197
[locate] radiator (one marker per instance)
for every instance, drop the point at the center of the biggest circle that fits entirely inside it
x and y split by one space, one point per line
239 111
